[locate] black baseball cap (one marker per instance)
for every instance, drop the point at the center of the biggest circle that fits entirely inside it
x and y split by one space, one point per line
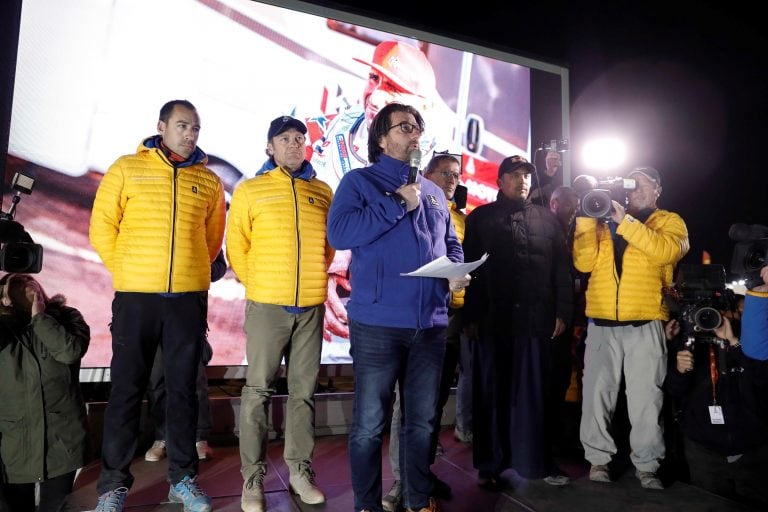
283 123
513 163
649 172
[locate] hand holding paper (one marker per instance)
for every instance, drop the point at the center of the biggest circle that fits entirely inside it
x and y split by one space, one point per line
456 284
443 267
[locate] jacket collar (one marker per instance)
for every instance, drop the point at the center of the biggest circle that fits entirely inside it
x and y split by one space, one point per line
198 156
512 205
306 172
392 169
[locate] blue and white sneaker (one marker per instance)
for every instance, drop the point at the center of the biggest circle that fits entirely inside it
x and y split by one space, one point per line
189 493
112 501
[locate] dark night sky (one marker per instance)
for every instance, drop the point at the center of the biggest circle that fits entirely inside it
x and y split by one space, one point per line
685 83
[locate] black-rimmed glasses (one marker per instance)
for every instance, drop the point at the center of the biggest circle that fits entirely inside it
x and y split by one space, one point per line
407 127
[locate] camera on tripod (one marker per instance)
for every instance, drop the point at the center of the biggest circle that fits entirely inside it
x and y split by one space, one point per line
18 252
596 195
696 300
750 253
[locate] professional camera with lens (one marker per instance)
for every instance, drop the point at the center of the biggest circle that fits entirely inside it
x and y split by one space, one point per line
18 252
750 253
596 195
697 298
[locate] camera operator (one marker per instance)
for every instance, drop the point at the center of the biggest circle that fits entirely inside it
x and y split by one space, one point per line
721 395
630 259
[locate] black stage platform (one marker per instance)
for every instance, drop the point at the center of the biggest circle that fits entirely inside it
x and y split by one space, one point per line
220 477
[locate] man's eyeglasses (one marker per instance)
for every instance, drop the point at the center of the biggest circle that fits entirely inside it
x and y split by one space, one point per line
407 127
450 175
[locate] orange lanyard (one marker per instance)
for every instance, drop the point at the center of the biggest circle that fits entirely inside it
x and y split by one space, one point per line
713 374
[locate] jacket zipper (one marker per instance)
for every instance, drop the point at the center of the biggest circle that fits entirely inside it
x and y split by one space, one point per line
298 240
173 229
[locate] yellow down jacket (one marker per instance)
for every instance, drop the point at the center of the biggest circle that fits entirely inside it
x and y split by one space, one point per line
276 242
652 251
457 219
157 227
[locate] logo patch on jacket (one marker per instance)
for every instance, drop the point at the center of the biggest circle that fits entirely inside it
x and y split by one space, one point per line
194 189
433 200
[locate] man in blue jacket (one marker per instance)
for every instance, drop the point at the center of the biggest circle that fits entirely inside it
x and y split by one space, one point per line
397 323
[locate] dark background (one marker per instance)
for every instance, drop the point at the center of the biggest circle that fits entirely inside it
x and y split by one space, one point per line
685 83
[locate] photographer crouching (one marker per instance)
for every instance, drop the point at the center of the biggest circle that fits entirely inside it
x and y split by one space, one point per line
720 387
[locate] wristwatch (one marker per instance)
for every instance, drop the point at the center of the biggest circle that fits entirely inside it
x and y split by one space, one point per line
400 199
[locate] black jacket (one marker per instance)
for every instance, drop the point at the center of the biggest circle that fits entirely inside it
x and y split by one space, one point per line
526 282
741 391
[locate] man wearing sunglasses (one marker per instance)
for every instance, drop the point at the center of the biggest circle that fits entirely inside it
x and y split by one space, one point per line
397 323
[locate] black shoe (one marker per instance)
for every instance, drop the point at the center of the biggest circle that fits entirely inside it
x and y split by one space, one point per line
440 489
490 481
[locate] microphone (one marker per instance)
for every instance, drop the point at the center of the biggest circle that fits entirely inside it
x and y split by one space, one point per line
747 232
415 158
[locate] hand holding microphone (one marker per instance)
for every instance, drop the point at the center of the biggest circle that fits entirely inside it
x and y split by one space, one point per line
415 162
411 191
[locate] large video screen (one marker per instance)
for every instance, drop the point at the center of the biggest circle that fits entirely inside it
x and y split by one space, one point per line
91 76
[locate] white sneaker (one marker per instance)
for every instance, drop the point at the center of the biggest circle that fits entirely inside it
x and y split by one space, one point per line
600 473
649 480
204 451
156 452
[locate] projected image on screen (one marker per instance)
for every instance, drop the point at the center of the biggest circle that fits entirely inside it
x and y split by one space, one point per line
91 77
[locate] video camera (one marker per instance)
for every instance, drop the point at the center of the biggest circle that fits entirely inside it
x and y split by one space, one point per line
555 145
18 252
696 299
750 253
596 195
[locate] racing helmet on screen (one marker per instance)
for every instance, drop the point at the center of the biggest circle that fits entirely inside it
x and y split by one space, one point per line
405 65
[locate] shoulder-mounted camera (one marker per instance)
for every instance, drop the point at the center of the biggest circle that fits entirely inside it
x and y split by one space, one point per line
596 194
697 298
18 252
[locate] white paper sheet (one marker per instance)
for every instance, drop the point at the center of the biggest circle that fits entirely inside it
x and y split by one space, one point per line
443 267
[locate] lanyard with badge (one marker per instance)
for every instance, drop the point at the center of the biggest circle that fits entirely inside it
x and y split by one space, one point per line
715 411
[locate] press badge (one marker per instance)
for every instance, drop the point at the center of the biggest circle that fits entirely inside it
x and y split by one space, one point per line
716 415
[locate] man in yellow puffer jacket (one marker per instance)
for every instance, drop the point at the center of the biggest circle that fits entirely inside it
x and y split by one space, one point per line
631 259
157 223
277 247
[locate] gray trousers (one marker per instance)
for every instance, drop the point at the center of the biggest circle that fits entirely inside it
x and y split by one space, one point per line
271 334
641 354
